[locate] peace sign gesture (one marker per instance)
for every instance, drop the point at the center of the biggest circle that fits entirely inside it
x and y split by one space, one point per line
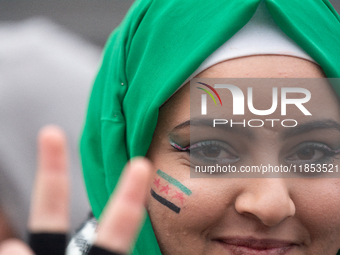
49 216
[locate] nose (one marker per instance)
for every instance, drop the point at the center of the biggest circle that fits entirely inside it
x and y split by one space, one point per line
266 199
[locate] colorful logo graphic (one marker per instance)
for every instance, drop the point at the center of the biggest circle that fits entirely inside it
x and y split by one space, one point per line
204 97
209 93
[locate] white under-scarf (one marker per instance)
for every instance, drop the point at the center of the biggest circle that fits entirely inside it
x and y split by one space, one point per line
260 36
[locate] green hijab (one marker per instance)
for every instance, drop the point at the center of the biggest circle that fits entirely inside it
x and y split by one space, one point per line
157 46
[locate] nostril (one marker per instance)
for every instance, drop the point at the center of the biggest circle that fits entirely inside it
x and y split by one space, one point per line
272 219
268 208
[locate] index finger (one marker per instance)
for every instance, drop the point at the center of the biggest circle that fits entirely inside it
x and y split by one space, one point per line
50 199
124 213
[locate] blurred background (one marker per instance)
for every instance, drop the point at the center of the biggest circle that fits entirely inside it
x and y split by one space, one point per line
93 20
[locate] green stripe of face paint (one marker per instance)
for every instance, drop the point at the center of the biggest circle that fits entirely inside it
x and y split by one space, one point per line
174 182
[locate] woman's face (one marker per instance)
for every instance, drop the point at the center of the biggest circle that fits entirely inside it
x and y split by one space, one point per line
248 216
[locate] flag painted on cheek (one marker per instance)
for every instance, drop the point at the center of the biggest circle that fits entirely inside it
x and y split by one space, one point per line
165 202
166 187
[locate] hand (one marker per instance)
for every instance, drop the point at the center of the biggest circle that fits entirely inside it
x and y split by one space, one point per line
49 208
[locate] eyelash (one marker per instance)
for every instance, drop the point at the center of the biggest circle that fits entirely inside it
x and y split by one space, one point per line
325 149
180 148
190 147
199 150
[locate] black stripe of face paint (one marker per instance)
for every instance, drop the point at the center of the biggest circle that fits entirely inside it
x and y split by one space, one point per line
165 202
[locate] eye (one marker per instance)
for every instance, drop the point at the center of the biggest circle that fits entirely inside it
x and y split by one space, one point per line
307 154
209 152
311 152
213 151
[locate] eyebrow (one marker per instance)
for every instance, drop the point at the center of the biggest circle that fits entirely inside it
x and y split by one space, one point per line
246 131
311 126
237 129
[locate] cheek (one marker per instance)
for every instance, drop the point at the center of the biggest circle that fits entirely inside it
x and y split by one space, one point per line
318 207
186 232
200 211
197 210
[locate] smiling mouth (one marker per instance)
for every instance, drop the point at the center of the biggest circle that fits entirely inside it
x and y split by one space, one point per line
252 246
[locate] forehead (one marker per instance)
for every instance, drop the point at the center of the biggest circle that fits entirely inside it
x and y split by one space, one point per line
264 66
177 108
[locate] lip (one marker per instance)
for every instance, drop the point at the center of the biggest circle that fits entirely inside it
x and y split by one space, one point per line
253 246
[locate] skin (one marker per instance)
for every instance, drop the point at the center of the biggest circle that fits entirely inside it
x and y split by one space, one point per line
300 214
